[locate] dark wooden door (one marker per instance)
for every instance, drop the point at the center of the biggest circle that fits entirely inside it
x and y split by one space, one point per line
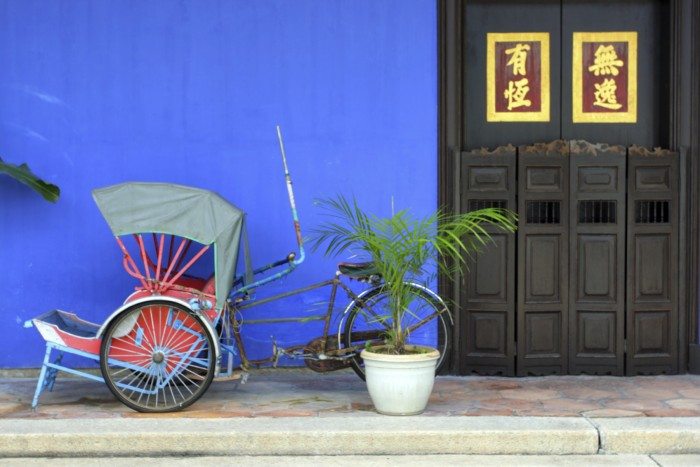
652 262
488 303
543 258
667 105
597 255
570 292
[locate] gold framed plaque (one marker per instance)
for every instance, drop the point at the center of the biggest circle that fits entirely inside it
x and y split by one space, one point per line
517 77
604 77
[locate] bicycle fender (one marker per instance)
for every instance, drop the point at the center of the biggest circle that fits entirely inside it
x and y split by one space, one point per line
349 307
436 297
207 323
365 292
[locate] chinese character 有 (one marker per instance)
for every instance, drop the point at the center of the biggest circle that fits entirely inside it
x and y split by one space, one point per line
516 92
606 61
518 58
605 95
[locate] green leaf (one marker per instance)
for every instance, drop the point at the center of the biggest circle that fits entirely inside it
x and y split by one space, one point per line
403 247
23 174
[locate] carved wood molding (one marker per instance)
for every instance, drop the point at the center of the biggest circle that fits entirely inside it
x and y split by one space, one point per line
507 150
582 147
557 147
641 151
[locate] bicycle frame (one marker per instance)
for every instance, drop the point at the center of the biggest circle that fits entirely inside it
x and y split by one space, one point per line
325 353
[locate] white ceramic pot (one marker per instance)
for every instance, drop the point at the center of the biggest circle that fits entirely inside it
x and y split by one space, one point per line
400 384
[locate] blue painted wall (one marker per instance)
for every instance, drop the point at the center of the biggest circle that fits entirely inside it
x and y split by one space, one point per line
94 93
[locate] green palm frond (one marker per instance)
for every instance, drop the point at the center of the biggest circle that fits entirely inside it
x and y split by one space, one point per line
403 247
23 174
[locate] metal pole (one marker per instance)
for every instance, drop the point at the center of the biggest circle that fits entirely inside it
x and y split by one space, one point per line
292 203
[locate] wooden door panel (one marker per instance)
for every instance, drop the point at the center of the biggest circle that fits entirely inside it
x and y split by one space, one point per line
597 304
596 279
652 178
488 179
596 335
543 244
652 334
652 262
487 307
488 273
597 179
543 179
542 281
543 339
487 334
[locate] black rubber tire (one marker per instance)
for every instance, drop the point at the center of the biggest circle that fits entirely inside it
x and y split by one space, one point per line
186 385
442 342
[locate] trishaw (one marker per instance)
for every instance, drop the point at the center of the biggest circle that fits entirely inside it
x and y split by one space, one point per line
177 332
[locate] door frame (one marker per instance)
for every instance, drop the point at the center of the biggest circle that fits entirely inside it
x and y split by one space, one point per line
684 136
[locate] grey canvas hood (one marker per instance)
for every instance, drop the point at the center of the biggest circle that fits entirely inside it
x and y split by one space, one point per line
199 215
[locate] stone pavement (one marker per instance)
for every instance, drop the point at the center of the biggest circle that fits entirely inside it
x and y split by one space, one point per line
303 393
555 420
626 460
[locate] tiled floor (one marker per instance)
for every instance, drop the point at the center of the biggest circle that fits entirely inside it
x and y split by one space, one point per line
286 393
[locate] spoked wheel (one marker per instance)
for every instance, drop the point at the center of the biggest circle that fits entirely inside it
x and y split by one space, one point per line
427 322
157 356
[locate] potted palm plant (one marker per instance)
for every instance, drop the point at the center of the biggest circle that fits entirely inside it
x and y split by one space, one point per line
404 250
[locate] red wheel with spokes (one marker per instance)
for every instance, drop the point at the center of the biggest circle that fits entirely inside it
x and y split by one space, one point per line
157 356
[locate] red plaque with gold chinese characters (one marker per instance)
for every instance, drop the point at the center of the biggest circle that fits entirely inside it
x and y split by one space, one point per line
604 77
517 77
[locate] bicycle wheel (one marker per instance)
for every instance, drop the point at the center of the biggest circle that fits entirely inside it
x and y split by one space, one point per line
157 356
428 323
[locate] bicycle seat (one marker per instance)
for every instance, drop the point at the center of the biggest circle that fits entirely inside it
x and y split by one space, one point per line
359 271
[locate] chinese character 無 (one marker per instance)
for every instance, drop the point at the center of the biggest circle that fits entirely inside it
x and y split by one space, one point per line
516 92
606 61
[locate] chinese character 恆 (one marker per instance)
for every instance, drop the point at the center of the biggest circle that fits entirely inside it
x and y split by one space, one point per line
518 58
516 92
605 95
606 61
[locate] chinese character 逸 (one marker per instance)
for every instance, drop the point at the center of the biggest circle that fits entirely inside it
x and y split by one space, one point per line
605 95
516 92
606 61
518 58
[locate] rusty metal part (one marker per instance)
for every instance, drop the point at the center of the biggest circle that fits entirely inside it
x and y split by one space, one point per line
323 366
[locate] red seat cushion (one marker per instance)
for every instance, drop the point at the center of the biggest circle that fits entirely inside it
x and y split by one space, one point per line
210 286
191 282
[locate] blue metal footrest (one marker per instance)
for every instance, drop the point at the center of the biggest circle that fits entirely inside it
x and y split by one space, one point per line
49 369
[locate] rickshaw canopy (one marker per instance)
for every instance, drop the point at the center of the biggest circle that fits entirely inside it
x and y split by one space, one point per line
199 215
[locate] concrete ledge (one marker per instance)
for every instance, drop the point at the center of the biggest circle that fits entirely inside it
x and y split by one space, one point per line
677 460
647 435
297 436
430 460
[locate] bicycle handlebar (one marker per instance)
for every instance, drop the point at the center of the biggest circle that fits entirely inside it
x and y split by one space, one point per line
291 260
